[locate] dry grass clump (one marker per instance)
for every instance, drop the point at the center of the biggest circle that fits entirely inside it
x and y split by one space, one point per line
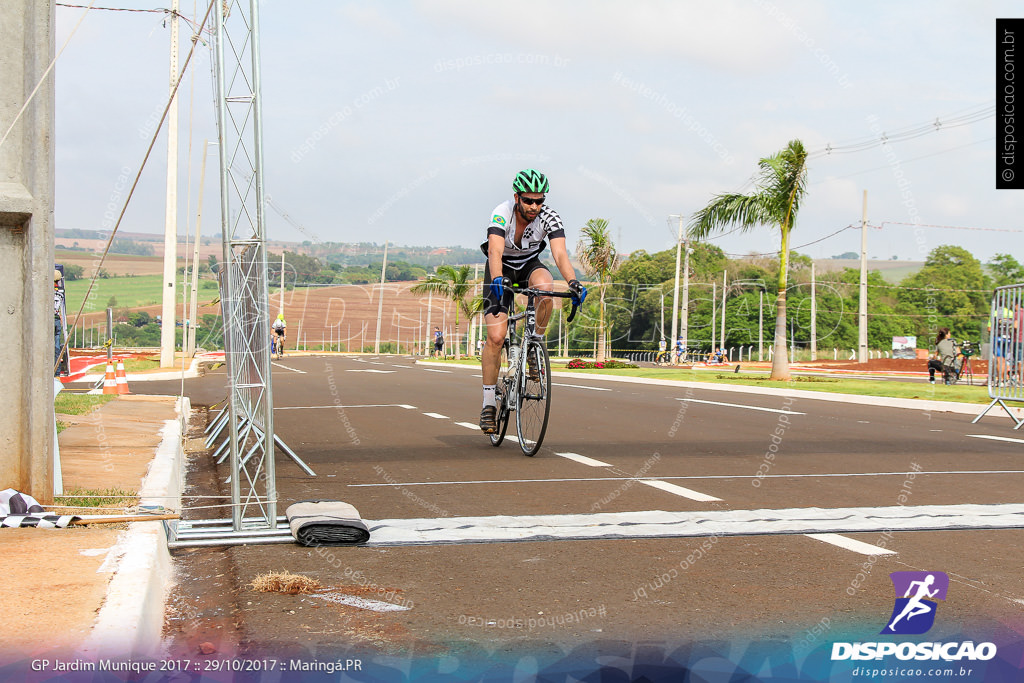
284 582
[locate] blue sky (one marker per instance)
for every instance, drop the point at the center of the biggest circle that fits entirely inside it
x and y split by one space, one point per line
407 120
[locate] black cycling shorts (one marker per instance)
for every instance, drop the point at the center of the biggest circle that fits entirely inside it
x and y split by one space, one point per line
279 331
519 276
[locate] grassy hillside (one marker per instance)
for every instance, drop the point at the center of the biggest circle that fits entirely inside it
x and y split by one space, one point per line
141 290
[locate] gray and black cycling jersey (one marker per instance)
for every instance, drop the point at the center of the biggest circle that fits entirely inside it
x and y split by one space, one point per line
547 225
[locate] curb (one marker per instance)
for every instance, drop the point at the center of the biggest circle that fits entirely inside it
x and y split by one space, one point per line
130 622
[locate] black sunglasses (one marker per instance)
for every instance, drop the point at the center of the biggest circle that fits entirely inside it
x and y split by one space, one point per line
531 202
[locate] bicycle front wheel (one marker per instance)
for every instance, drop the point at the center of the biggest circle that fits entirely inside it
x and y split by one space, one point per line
502 394
534 400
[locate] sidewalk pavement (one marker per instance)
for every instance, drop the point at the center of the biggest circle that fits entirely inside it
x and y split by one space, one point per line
97 591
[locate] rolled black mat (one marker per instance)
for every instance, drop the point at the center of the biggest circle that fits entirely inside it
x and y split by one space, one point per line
326 522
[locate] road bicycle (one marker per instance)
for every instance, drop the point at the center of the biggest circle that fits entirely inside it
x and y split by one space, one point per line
529 397
663 358
276 345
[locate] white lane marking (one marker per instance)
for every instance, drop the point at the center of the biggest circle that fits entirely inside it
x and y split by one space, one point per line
361 603
708 476
468 425
433 370
371 370
374 362
438 416
301 372
367 405
666 524
851 544
738 405
583 460
580 386
995 438
679 490
399 366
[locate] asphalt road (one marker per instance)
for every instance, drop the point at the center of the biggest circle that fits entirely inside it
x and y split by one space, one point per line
398 440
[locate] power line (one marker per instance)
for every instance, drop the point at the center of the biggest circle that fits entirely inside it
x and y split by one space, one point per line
945 227
799 246
908 133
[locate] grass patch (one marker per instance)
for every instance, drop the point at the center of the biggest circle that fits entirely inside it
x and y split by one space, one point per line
735 377
141 364
69 403
129 292
90 499
61 426
283 582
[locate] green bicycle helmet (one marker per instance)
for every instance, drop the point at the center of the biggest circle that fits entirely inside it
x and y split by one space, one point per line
529 180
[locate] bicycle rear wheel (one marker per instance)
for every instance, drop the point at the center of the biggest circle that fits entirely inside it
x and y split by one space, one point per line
502 392
534 400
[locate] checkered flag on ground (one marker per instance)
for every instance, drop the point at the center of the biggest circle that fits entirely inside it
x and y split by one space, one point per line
22 510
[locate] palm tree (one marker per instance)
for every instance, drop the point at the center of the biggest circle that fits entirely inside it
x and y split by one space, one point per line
453 283
779 189
596 253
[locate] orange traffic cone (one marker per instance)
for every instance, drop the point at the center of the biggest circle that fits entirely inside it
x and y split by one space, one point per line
109 382
121 380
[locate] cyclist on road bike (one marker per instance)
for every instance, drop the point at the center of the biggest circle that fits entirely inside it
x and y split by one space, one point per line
679 350
279 328
516 237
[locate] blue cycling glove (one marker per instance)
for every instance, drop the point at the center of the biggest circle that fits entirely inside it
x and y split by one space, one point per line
579 292
498 286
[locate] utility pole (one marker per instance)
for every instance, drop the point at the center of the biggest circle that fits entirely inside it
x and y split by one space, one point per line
714 313
814 318
380 301
171 216
193 304
724 287
760 325
675 289
684 330
282 280
862 318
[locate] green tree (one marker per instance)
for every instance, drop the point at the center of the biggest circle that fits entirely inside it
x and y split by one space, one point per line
951 290
779 191
1005 269
73 272
453 283
596 253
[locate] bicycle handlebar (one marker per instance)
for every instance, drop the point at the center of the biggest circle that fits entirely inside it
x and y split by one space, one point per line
530 292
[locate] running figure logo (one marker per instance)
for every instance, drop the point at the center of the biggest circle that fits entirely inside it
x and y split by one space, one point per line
916 593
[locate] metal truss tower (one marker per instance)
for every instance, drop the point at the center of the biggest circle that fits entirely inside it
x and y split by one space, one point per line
245 297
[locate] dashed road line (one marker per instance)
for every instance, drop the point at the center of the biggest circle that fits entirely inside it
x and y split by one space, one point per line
579 386
583 460
301 372
436 416
851 544
995 438
679 490
468 425
740 405
366 405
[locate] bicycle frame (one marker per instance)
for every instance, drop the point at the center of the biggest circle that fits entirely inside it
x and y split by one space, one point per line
513 385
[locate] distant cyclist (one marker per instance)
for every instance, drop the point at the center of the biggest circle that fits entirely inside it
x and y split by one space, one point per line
516 237
280 328
438 342
680 350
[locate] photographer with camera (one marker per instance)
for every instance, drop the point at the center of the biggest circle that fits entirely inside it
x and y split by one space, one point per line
945 352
